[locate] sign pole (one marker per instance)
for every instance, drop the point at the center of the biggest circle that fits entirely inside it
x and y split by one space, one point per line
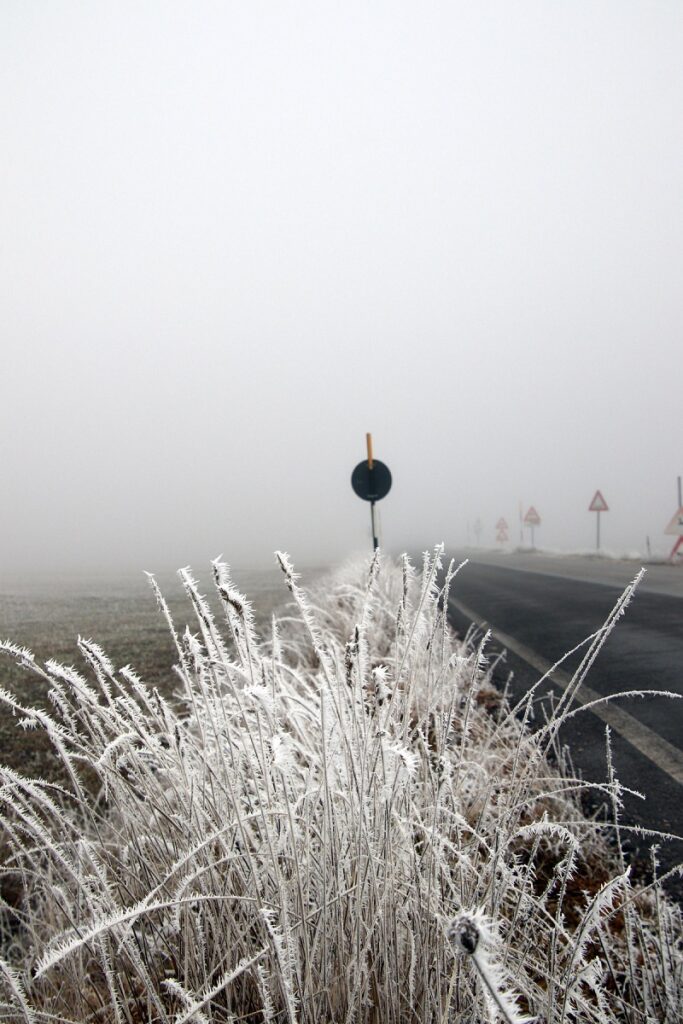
680 495
598 544
375 541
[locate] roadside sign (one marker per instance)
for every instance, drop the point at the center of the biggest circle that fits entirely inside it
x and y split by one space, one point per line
675 527
502 536
371 484
371 480
501 524
598 504
532 519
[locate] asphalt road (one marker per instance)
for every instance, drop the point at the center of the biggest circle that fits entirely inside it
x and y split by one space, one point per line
538 615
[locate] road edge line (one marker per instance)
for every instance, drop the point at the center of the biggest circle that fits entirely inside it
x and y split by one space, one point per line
658 750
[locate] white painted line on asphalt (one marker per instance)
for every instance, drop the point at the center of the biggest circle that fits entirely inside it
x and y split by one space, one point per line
662 753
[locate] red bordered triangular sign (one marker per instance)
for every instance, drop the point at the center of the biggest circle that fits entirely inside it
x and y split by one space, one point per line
598 504
675 527
532 517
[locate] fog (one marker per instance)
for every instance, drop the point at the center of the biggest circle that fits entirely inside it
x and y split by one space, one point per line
237 236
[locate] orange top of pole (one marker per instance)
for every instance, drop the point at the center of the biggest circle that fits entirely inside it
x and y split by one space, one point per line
368 438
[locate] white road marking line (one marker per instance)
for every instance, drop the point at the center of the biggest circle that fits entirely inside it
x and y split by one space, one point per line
658 750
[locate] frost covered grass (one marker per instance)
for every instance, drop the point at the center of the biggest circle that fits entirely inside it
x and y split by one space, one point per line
343 821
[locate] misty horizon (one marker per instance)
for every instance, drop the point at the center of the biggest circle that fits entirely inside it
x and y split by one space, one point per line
236 238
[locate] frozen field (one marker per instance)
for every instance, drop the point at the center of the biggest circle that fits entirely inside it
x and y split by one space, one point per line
47 614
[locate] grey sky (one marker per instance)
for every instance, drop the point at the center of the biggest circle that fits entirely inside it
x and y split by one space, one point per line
236 236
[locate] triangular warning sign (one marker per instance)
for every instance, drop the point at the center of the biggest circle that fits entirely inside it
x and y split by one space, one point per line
502 536
675 527
501 524
598 504
532 517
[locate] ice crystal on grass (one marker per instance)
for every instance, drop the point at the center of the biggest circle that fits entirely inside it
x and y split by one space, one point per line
298 835
473 935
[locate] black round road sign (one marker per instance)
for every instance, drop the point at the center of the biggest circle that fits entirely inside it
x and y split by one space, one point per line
371 484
